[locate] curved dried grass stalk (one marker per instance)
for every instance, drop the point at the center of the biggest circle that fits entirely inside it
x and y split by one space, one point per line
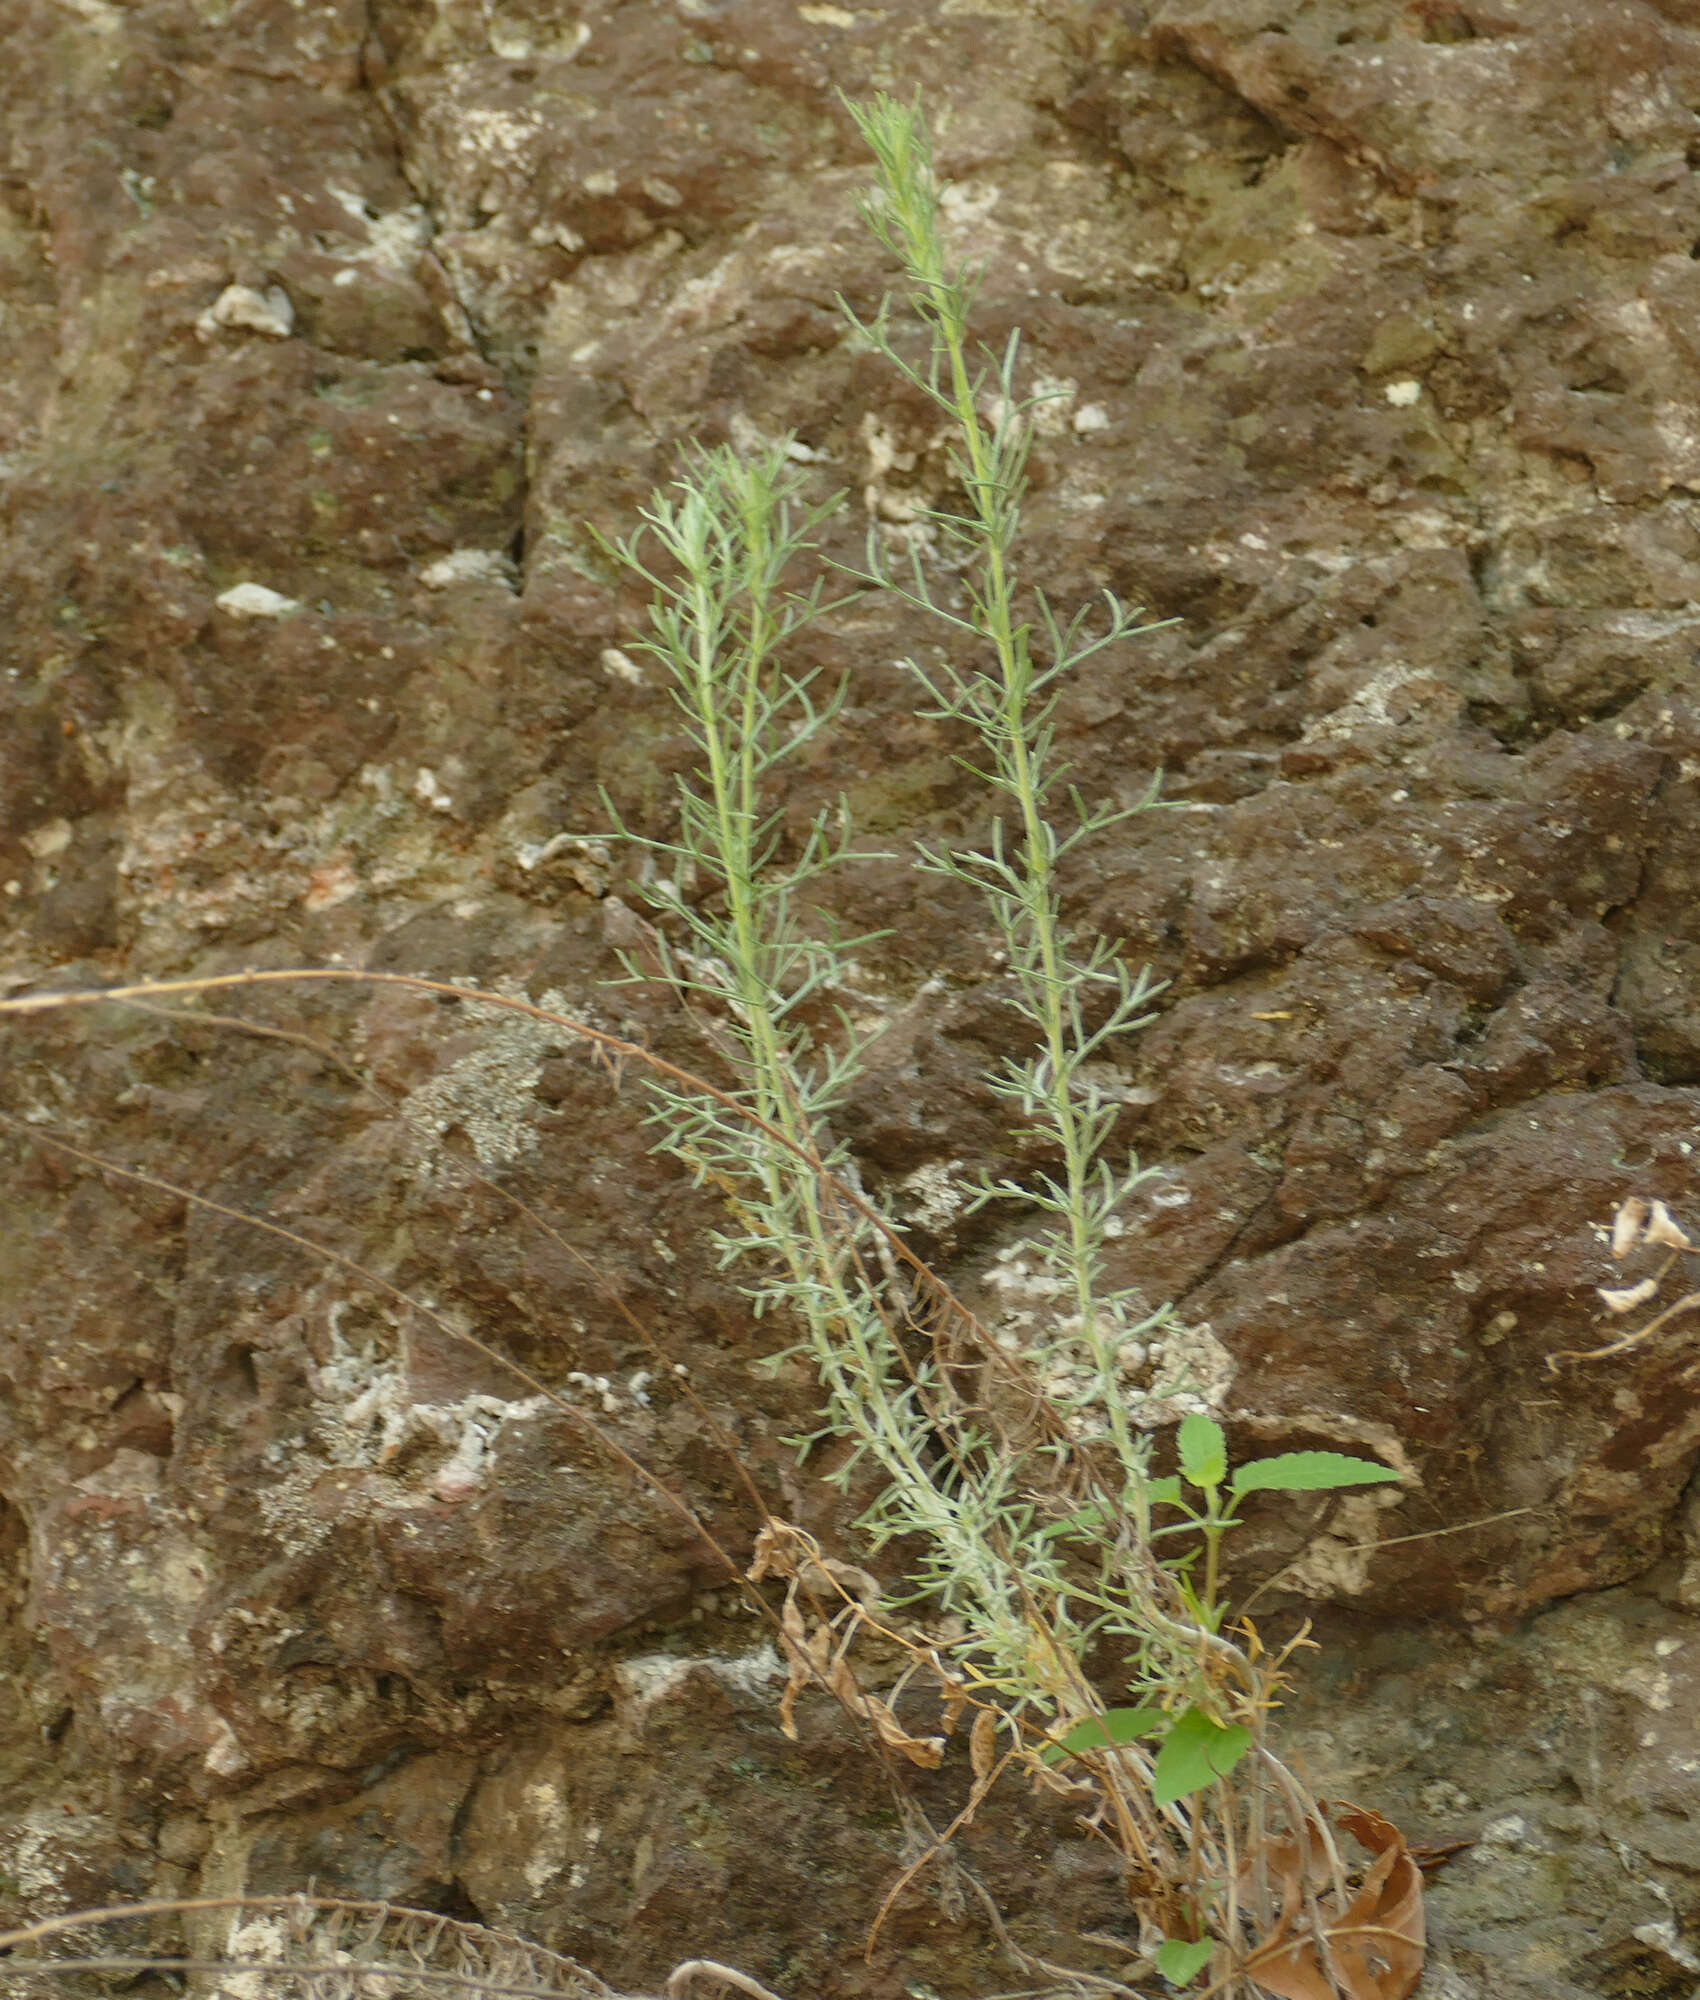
339 1948
343 1949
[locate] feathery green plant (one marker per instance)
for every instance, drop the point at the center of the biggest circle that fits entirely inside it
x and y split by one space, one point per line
1011 707
1026 1476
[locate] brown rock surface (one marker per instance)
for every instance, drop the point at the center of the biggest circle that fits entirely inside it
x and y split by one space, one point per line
1374 331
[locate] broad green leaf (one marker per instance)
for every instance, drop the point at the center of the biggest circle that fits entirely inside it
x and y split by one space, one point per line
1180 1963
1195 1753
1104 1732
1308 1472
1204 1451
1164 1492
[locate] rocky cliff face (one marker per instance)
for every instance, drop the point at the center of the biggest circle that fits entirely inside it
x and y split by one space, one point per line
331 334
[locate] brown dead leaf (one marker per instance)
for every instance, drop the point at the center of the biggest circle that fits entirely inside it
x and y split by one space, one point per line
775 1551
927 1751
791 1624
815 1656
1384 1924
983 1742
1626 1226
827 1578
1288 1867
954 1696
1375 1944
1433 1855
1664 1229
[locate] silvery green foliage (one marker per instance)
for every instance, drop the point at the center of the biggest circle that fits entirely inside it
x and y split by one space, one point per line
719 615
749 951
1078 998
1024 1477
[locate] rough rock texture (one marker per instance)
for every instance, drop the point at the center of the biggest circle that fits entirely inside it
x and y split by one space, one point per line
330 334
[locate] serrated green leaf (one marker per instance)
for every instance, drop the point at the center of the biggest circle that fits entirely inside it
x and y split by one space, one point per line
1204 1451
1104 1732
1195 1753
1180 1963
1309 1472
1164 1492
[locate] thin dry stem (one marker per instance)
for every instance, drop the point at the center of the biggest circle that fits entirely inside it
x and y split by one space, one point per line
683 1977
1630 1340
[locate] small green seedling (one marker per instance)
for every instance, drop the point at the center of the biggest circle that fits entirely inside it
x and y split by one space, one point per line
1196 1749
1204 1464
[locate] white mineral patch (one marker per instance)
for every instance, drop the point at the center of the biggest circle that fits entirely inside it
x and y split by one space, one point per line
1191 1370
933 1195
52 837
546 1810
647 1680
127 1475
241 309
598 1386
653 1676
1053 409
394 241
488 1092
97 13
262 1941
967 202
429 792
368 1419
1510 1830
226 1756
1337 1564
254 600
468 566
1373 704
503 136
